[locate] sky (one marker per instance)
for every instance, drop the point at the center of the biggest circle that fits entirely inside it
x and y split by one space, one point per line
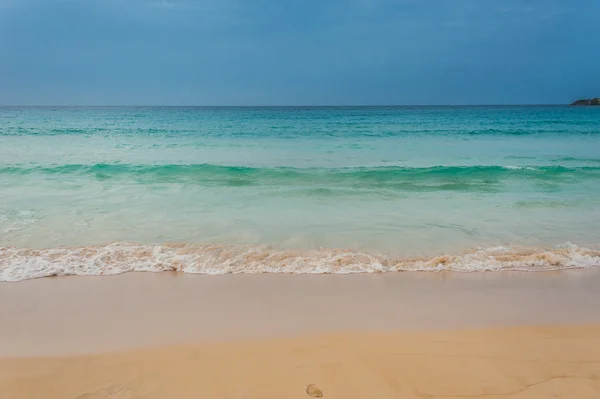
298 52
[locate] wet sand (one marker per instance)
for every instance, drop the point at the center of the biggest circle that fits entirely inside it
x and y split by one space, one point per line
397 335
81 315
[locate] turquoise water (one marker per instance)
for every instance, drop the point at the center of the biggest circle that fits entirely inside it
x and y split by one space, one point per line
217 190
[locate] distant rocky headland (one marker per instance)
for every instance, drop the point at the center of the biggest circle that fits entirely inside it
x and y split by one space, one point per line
589 101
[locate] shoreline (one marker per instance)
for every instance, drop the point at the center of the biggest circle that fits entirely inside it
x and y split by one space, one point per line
20 264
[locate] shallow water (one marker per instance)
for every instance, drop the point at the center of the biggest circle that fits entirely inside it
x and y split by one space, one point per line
283 189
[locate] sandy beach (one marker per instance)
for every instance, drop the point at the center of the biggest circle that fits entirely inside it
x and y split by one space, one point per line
227 199
521 362
401 335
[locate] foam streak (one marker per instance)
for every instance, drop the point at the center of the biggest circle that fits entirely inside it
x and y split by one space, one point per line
18 264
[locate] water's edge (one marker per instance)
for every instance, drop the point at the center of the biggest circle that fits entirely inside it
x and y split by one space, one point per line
17 264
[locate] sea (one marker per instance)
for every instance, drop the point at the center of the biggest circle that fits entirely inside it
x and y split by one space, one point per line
218 190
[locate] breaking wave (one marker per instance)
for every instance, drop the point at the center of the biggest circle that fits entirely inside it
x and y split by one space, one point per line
389 177
18 264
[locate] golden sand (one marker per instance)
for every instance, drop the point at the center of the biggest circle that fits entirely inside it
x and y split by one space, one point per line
517 362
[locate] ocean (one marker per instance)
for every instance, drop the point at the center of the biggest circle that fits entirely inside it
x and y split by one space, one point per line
216 190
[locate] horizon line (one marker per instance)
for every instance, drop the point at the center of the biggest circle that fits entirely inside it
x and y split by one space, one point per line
276 106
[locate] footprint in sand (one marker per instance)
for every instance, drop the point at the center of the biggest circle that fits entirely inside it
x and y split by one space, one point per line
113 391
313 391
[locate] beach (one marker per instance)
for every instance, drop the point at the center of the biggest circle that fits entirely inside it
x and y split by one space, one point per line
524 362
283 252
391 335
205 199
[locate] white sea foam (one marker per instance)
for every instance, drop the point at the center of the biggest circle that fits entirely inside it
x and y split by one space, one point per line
18 264
521 167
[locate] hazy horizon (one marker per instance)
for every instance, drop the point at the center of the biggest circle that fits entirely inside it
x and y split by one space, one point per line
275 105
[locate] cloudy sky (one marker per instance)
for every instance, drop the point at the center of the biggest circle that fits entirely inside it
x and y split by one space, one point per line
317 52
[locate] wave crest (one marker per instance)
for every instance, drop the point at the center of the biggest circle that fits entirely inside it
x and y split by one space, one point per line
395 178
18 264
